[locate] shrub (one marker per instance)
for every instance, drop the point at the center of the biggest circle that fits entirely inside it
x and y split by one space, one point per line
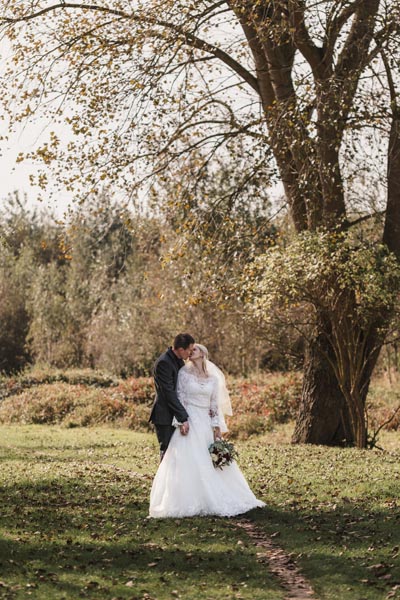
97 408
139 390
83 398
45 375
138 418
384 400
243 426
48 404
275 396
78 405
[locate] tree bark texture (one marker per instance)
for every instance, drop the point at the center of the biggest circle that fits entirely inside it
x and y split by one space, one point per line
391 234
333 399
339 363
323 416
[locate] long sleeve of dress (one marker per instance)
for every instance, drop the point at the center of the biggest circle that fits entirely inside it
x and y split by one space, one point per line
214 412
181 388
181 393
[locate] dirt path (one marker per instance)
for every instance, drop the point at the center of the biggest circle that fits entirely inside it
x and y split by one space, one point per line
279 563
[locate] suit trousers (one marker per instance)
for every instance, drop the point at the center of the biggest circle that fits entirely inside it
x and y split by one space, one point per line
164 434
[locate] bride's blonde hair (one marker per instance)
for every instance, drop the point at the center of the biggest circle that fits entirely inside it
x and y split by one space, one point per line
204 350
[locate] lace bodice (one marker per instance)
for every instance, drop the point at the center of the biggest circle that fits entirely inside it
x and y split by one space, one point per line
198 391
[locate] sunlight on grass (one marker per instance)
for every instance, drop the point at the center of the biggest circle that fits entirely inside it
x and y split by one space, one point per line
74 520
75 525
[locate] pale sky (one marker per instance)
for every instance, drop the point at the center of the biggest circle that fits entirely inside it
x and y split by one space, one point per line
15 176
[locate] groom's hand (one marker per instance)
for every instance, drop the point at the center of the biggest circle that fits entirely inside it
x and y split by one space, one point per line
184 428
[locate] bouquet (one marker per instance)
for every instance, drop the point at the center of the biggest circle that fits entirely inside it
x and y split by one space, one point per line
222 453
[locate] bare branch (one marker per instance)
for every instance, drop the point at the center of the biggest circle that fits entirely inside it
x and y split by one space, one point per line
311 52
382 425
349 224
265 88
335 26
352 56
392 87
391 234
189 38
62 5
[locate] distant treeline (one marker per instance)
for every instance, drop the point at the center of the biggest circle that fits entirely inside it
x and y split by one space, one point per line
97 291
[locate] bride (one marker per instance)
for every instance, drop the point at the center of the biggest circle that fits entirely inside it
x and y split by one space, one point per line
186 483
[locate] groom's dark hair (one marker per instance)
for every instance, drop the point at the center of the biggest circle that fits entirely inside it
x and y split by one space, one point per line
183 340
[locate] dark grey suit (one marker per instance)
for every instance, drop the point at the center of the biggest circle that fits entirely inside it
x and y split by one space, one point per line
166 404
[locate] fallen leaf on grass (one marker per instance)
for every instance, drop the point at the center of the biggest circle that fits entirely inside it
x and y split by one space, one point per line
275 534
379 569
394 592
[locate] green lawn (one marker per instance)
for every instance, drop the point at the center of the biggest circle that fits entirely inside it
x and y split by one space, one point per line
74 520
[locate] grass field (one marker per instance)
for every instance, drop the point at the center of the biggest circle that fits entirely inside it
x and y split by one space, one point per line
74 520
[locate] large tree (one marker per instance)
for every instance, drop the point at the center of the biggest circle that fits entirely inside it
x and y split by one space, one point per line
308 84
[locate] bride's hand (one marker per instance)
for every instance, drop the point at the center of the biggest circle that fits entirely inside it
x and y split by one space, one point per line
184 428
217 434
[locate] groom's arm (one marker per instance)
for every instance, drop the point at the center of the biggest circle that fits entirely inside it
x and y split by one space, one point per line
164 374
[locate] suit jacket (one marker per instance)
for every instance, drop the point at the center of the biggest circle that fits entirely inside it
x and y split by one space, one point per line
166 404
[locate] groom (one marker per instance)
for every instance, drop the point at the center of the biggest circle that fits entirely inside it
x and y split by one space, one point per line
166 404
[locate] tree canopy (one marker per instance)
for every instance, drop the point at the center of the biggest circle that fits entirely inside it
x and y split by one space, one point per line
143 84
301 92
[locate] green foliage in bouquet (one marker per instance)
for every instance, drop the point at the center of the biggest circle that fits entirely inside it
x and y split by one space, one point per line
222 453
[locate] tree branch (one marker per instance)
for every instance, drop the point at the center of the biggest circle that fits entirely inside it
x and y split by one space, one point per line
372 442
311 52
352 56
392 87
391 233
350 224
62 5
335 26
189 38
265 88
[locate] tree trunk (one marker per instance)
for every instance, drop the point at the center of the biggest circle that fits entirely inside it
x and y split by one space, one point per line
391 234
327 415
323 416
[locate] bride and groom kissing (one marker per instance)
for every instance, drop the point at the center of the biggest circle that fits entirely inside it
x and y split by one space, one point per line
193 398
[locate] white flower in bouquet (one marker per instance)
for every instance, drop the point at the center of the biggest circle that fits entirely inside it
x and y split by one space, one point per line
222 453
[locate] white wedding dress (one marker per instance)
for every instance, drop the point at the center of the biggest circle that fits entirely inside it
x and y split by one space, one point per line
186 483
